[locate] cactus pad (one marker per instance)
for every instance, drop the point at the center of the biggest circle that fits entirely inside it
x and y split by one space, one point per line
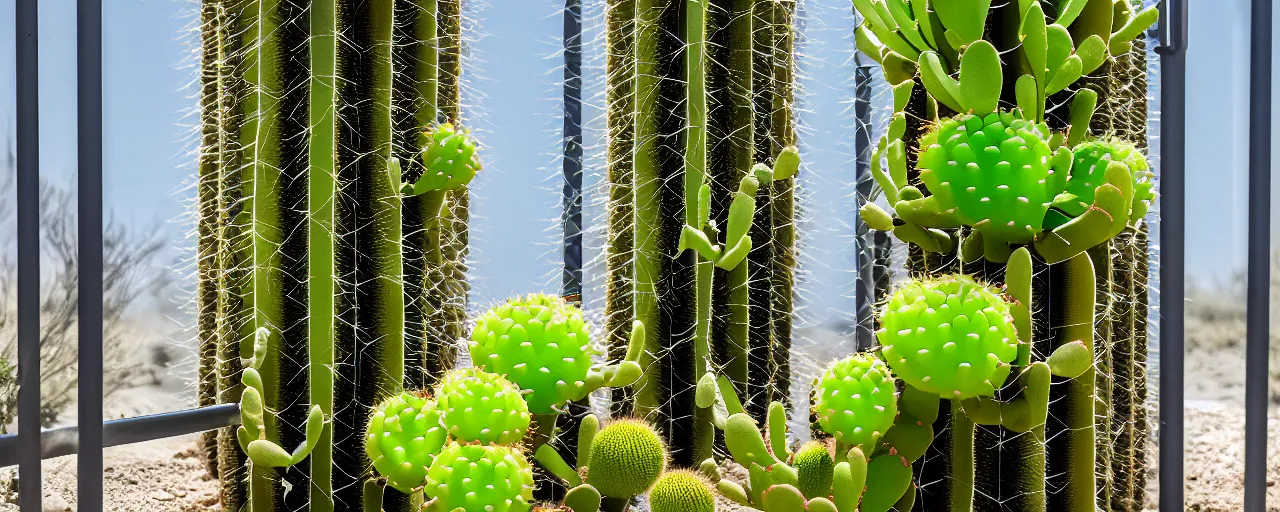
1089 171
950 336
626 458
996 172
855 400
482 407
816 470
479 478
541 343
681 491
403 437
449 159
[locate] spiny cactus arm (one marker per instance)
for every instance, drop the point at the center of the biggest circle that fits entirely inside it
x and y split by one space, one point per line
1082 107
628 371
1096 225
777 419
746 445
1035 48
741 210
1018 275
782 498
586 435
925 211
881 29
888 477
551 460
888 184
964 20
732 404
868 44
848 481
1069 10
981 77
1122 40
938 81
929 239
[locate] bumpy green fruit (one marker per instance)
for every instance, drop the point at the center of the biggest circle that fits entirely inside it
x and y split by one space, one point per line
626 458
681 491
480 478
855 401
816 470
950 336
997 172
1090 169
482 407
541 343
449 159
403 437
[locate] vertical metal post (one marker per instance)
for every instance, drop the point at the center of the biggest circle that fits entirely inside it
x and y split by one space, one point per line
1259 284
572 161
28 218
1173 62
864 259
89 217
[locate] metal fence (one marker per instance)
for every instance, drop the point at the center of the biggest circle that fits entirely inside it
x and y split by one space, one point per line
88 439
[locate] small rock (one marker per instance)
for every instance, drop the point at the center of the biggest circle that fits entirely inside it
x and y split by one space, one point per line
179 493
161 496
54 503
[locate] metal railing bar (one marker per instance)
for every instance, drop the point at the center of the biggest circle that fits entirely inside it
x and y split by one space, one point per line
572 157
66 440
1173 97
89 220
28 219
1258 293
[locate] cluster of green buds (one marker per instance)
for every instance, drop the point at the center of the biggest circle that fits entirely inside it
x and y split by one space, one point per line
449 161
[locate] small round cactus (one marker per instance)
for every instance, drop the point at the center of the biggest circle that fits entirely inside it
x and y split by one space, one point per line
449 159
951 336
482 407
480 478
816 470
1089 171
994 171
855 400
541 343
626 458
403 437
681 491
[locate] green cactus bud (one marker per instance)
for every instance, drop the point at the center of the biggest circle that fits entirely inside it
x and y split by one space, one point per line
449 159
681 491
480 478
482 407
996 173
541 343
1090 169
403 437
626 458
816 469
949 336
855 400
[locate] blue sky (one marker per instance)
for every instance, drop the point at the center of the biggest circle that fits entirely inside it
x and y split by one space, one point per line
147 100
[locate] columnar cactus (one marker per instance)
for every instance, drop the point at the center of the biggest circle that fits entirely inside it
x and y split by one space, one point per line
309 234
699 92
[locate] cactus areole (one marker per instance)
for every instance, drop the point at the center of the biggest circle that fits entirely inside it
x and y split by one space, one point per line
856 402
951 336
539 342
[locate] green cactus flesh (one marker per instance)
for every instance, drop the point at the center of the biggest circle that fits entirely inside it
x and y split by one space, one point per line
816 470
1089 171
626 458
480 478
856 401
950 336
681 491
996 173
449 160
541 343
405 433
482 407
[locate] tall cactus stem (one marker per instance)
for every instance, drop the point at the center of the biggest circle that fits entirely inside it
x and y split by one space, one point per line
695 175
1071 428
454 234
207 222
783 204
620 37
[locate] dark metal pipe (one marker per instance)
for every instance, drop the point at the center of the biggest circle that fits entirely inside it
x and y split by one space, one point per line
1173 96
89 216
1259 284
28 218
572 157
66 441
